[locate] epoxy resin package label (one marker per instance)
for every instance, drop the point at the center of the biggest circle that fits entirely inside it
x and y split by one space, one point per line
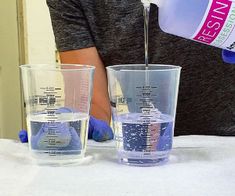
217 27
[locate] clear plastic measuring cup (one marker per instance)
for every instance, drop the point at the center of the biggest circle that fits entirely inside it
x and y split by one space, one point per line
57 99
143 104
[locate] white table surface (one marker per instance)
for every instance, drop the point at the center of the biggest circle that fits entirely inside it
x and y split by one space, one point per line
199 165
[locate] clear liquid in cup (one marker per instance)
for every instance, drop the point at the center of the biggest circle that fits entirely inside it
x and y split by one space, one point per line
143 141
58 137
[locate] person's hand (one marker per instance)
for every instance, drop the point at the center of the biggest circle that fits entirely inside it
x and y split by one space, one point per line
23 136
98 130
55 135
66 137
228 56
166 137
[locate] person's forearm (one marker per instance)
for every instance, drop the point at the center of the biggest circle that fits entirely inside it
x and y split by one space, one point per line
100 106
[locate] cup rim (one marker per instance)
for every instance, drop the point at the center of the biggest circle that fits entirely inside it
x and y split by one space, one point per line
54 67
170 67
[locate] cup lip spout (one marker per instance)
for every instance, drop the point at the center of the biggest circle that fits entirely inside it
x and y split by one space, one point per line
143 68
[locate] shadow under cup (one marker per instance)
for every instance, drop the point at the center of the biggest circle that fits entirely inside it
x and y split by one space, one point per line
143 101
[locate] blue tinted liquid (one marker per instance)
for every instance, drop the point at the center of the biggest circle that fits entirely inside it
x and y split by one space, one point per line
144 141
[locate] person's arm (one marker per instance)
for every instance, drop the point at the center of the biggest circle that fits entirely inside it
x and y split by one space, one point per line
98 130
100 106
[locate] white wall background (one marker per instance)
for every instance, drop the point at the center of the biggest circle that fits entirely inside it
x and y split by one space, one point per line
39 48
10 94
40 45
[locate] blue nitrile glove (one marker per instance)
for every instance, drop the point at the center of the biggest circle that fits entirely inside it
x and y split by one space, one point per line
99 130
56 136
166 136
23 136
228 56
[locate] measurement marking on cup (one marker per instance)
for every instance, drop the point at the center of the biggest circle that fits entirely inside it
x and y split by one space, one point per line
147 107
146 99
51 118
50 110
